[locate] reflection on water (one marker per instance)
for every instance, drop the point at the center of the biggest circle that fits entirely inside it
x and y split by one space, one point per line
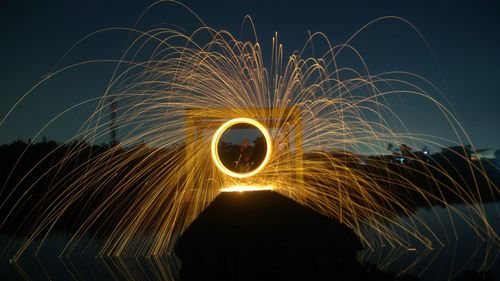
455 247
48 265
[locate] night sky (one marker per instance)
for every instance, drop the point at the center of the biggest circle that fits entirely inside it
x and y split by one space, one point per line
464 36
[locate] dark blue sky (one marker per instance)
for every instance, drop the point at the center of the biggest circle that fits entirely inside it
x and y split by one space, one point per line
464 35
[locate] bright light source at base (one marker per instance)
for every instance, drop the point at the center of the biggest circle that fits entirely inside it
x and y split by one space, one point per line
242 188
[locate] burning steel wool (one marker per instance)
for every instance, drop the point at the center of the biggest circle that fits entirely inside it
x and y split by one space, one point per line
202 113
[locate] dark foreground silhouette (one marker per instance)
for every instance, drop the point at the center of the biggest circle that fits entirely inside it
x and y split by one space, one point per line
263 235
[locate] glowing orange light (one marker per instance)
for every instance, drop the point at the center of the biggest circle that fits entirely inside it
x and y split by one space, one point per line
242 188
222 129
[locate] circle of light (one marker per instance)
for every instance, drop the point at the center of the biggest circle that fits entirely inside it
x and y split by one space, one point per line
222 129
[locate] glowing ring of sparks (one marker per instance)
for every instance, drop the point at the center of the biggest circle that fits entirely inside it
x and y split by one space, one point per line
222 129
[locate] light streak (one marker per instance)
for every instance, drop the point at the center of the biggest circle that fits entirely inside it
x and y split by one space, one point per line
145 191
245 188
222 129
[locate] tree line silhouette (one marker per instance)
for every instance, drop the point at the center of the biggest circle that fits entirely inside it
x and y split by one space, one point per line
28 171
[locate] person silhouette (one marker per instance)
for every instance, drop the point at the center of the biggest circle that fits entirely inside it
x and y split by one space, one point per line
245 154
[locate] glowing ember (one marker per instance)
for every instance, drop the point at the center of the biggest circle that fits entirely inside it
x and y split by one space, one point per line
243 188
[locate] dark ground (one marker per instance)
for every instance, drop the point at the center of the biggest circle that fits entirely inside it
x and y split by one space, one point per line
263 235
